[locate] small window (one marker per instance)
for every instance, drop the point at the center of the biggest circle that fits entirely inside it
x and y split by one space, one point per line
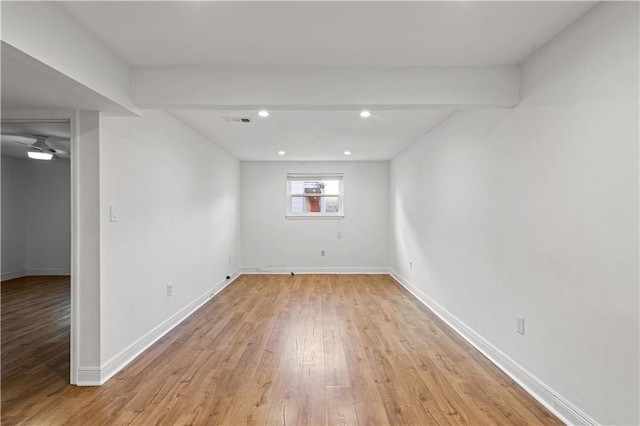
314 196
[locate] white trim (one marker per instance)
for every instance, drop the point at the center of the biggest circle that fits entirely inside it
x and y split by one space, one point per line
74 341
313 216
34 273
556 403
14 274
48 271
315 176
87 376
315 270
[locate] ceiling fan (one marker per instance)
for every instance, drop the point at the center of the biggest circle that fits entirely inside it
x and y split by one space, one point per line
36 145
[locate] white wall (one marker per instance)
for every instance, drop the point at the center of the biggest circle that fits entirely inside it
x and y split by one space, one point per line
36 217
177 196
272 242
534 211
14 217
49 219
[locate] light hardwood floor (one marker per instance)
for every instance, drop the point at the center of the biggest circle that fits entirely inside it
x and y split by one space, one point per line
272 349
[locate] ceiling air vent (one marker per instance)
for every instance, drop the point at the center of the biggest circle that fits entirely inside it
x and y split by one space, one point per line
227 119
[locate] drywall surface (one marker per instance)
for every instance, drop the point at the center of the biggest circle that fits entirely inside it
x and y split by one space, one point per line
36 217
177 200
46 32
14 217
49 218
85 279
270 242
533 211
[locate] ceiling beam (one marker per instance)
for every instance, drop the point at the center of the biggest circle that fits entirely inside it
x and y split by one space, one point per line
207 87
29 84
46 33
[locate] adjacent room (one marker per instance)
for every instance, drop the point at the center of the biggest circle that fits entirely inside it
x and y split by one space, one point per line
36 250
320 212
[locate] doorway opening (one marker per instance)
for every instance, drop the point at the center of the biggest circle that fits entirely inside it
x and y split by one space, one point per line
36 255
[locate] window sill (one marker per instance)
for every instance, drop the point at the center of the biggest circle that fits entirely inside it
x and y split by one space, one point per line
303 217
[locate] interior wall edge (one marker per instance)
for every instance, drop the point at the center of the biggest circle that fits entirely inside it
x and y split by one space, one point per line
552 400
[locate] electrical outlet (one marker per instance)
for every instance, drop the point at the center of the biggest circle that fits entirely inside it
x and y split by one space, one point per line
229 260
520 324
339 235
169 289
411 265
321 252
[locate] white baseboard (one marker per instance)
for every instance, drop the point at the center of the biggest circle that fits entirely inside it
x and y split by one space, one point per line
95 376
13 275
34 272
48 271
556 403
88 376
315 270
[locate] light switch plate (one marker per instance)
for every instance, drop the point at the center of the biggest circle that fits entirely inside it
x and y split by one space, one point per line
520 324
114 214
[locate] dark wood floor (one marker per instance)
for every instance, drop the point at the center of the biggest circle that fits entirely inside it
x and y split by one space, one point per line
35 336
269 349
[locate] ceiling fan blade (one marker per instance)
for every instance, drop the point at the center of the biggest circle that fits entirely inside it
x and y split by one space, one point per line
21 139
61 152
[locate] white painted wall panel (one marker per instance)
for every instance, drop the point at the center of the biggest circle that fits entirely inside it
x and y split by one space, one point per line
177 196
49 218
534 211
14 217
272 242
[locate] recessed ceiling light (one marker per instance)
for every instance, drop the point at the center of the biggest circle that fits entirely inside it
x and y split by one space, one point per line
347 153
365 114
263 113
281 153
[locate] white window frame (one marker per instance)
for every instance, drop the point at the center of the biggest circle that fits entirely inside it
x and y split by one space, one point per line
292 177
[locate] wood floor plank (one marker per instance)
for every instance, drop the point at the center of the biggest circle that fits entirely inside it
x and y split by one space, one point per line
269 349
341 407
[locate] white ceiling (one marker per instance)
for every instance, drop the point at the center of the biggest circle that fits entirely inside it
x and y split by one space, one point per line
307 35
397 34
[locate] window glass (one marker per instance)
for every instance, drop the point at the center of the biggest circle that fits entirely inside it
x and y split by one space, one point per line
314 196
